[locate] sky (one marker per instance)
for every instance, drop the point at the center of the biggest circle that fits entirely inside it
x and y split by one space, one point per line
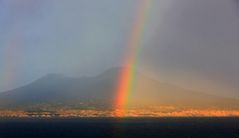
189 43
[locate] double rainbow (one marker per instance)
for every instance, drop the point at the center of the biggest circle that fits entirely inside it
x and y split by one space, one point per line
135 44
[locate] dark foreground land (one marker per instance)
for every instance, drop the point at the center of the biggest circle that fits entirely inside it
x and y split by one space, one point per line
120 128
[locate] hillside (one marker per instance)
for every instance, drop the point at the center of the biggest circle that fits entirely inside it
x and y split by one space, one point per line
99 92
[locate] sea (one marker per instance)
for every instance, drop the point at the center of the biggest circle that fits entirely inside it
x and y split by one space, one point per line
193 127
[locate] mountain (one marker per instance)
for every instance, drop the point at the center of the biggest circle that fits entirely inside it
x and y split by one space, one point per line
55 89
151 92
99 92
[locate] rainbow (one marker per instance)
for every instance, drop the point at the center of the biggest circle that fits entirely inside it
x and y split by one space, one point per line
127 75
14 46
12 60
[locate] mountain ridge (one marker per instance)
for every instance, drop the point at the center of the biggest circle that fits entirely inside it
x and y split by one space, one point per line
99 92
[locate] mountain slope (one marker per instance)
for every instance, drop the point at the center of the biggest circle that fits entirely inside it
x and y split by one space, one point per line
151 92
99 92
55 89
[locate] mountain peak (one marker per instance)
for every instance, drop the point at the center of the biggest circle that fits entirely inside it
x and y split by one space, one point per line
53 76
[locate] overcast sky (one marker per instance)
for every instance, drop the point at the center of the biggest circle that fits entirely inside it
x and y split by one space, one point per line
191 43
197 45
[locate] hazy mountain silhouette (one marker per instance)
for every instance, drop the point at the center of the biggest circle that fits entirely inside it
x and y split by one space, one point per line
99 92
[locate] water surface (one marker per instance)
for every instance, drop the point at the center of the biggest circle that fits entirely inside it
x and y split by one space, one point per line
120 128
